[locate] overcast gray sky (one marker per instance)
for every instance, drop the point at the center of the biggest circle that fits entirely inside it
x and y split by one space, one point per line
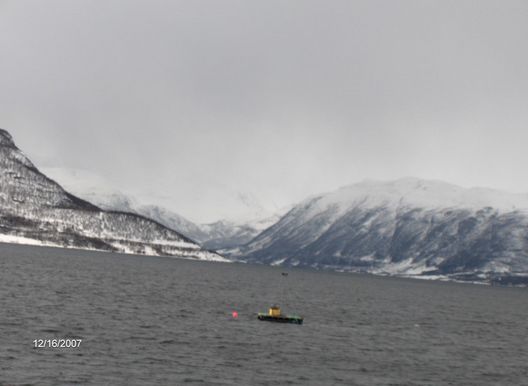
190 102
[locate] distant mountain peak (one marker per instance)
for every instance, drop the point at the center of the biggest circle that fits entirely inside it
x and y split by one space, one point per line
416 192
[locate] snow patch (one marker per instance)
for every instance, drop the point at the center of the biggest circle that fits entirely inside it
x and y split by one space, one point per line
11 239
278 262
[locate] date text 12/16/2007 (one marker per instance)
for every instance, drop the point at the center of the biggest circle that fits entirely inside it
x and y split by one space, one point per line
57 343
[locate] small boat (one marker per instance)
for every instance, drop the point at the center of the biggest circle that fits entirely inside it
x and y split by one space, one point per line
274 315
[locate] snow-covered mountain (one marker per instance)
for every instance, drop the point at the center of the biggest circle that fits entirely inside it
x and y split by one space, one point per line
174 221
92 188
226 234
409 227
36 210
218 235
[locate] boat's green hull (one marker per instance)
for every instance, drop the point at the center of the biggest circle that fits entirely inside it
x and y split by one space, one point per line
280 319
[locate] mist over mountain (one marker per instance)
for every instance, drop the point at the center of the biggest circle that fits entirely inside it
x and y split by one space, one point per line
218 235
35 209
409 227
241 227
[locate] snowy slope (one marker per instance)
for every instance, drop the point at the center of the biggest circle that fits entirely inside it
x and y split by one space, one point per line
406 227
242 228
173 221
91 187
35 209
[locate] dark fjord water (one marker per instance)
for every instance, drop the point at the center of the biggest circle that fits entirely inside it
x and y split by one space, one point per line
147 321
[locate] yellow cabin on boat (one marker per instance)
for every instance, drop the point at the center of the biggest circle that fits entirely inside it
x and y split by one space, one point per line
274 311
